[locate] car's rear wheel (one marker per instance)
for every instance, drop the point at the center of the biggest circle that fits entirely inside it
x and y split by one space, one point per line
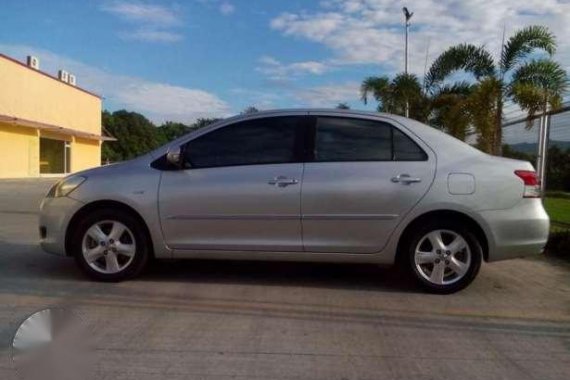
110 245
444 257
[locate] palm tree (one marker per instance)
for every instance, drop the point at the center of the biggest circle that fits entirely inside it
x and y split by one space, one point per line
539 85
482 107
450 109
499 78
392 95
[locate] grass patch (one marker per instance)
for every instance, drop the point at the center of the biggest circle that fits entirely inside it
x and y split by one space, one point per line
558 209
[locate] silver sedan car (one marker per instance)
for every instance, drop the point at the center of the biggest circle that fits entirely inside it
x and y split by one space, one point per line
305 185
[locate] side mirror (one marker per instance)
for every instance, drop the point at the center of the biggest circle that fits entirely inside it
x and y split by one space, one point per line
175 157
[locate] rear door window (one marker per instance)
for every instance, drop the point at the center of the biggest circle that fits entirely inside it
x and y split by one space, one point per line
346 139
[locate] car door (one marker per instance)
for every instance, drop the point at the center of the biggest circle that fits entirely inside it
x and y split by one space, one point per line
364 176
240 191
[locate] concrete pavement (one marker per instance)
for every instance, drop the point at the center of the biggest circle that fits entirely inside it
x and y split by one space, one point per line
241 320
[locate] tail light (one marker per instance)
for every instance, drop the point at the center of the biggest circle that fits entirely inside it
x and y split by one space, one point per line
531 183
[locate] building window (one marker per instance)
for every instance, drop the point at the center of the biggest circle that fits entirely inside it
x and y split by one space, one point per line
54 156
67 157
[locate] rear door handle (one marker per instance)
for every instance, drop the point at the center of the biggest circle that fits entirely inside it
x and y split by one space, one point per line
405 179
282 181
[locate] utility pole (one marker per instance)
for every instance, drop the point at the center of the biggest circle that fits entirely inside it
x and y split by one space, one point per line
426 63
543 137
407 15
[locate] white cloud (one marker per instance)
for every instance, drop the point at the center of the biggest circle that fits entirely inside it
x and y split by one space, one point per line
276 70
153 23
315 27
223 6
227 8
142 12
151 35
158 101
371 31
328 95
168 102
259 99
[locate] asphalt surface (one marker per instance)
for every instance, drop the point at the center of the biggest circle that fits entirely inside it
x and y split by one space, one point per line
241 320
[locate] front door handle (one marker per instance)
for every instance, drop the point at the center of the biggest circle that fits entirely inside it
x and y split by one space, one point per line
282 181
405 179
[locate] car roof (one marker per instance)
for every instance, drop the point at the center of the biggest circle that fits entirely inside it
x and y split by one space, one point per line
313 110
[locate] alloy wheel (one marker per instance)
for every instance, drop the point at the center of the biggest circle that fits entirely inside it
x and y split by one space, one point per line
442 257
108 246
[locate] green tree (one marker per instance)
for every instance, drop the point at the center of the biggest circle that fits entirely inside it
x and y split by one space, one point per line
171 131
558 169
249 110
500 78
393 95
450 109
135 135
482 108
204 122
509 152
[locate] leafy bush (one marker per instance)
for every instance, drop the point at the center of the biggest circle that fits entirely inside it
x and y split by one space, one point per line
558 194
559 244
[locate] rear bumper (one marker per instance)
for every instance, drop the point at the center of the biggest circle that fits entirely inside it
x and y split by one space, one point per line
517 232
55 214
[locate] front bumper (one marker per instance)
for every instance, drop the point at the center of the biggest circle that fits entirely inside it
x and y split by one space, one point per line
55 214
517 232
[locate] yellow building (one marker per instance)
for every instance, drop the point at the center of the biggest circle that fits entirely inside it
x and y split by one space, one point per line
48 126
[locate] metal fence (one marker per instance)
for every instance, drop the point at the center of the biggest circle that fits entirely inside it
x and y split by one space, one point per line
535 141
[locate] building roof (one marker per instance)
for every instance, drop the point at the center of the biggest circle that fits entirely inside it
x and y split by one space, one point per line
53 128
49 75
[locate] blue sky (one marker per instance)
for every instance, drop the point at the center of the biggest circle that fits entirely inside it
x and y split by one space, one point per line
179 60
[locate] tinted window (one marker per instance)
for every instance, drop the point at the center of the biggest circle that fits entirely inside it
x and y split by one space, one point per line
405 149
343 139
261 141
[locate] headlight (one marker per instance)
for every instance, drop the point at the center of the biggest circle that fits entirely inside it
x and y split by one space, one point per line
65 186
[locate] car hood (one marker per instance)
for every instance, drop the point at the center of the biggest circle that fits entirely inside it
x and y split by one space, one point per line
115 168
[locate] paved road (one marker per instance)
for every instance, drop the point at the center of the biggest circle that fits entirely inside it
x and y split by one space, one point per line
222 320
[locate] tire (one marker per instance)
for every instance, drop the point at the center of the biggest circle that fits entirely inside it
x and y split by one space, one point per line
103 252
445 265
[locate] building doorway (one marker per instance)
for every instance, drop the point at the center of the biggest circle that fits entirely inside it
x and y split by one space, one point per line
55 156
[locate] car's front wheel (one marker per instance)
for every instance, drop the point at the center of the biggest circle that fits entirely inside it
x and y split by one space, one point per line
110 245
444 257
